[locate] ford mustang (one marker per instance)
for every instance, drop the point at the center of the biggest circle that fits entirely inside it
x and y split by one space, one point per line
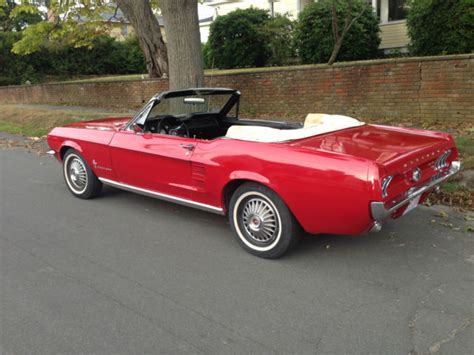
274 180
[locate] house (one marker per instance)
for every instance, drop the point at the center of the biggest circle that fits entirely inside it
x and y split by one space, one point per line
118 26
392 15
393 26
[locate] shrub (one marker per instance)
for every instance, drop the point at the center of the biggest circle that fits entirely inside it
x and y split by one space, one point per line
249 38
441 26
279 38
207 56
314 39
107 56
236 39
15 69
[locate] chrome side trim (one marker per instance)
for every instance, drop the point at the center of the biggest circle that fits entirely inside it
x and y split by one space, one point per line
165 197
381 213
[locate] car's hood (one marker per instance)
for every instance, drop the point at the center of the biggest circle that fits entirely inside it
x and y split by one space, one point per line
103 124
381 144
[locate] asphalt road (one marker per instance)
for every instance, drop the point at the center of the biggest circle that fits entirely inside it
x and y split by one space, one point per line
126 274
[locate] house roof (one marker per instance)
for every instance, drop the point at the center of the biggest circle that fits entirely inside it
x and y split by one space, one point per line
117 17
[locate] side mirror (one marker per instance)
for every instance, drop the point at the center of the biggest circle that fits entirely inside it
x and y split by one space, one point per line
137 129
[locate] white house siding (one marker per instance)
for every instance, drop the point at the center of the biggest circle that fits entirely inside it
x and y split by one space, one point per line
394 35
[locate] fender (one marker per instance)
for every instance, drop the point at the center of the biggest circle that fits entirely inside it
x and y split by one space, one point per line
248 175
242 175
71 144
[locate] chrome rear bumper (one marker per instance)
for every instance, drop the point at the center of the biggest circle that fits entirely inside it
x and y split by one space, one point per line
381 213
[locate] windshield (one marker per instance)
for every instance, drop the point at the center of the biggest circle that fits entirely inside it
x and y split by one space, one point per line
191 104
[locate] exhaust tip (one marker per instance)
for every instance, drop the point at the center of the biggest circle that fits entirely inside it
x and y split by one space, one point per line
377 227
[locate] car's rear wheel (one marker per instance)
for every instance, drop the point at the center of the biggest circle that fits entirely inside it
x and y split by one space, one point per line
79 177
261 221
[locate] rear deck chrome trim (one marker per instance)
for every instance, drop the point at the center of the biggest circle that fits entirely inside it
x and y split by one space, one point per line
161 196
380 213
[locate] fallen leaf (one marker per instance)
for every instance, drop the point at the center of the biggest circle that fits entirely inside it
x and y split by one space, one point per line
442 214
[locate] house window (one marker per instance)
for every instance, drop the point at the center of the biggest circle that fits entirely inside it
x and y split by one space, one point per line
397 10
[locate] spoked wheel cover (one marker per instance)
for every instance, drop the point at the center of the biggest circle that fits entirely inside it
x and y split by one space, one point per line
257 221
75 174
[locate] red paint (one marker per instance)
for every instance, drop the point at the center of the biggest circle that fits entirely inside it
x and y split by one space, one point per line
327 181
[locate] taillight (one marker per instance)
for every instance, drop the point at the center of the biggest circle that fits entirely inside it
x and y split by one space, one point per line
385 183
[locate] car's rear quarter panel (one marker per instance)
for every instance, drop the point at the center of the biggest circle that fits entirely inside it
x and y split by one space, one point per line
327 192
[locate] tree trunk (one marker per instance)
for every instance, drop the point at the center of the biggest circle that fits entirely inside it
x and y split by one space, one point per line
336 34
335 51
146 26
184 43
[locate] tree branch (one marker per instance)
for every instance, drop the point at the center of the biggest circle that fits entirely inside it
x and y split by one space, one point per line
354 20
114 16
348 22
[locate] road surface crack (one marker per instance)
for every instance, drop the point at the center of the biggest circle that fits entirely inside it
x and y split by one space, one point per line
436 347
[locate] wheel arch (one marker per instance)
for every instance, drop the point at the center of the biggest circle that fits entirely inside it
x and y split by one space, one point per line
238 178
66 145
241 177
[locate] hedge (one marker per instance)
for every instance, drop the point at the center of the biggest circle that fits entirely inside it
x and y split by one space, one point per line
107 56
314 39
441 27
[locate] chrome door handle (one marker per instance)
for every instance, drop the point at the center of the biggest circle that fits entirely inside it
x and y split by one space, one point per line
187 146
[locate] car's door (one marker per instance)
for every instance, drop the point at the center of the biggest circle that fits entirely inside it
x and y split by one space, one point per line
152 161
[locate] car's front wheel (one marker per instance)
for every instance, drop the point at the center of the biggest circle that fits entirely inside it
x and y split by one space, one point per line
261 221
79 177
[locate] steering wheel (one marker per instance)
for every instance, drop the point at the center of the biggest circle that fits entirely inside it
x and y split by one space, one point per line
171 125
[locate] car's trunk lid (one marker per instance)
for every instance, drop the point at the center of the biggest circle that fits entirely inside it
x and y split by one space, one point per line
398 152
387 146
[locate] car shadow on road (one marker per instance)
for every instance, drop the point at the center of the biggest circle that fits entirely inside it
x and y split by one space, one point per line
313 244
411 236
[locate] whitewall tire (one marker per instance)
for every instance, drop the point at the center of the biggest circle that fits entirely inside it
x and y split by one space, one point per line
261 221
79 177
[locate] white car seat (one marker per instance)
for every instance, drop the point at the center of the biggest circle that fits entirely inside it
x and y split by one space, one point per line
314 124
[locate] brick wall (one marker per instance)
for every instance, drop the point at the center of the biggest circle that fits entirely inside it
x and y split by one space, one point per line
431 87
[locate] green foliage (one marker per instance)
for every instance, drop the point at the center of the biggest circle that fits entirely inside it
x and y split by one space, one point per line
314 38
207 56
236 40
249 38
15 18
76 23
107 56
14 69
441 27
279 38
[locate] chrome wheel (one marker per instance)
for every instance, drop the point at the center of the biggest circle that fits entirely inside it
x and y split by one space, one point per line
75 173
259 220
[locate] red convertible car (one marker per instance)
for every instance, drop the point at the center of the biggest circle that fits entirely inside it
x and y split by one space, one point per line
332 174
